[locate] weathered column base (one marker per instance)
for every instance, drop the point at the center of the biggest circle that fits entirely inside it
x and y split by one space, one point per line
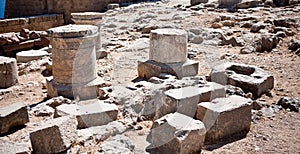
71 91
151 68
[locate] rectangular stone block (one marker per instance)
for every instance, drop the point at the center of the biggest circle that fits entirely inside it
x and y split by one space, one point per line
151 68
176 133
54 135
185 100
12 116
225 117
89 113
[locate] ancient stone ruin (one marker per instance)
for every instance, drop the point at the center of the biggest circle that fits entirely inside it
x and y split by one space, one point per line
157 77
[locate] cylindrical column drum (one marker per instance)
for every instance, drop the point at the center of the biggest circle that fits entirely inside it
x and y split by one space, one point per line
73 53
168 45
90 18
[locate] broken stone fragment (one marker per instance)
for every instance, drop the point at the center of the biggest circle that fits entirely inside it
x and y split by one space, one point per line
54 135
12 116
176 133
89 113
248 77
225 117
117 144
8 72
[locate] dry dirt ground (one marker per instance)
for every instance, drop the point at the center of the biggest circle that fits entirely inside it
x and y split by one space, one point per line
277 134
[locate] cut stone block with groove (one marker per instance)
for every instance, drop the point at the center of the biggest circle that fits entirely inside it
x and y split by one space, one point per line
185 100
54 135
248 77
151 68
89 113
225 117
12 116
168 45
176 133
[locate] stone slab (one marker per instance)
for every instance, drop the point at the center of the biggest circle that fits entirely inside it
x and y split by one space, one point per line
12 116
89 113
177 133
54 135
151 68
168 45
26 56
225 117
248 77
185 100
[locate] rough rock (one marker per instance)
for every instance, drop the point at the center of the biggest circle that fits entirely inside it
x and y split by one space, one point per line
225 117
247 4
55 135
196 2
261 43
281 2
248 77
89 113
185 100
8 72
12 116
101 133
256 27
176 133
294 46
228 3
289 103
42 110
117 144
